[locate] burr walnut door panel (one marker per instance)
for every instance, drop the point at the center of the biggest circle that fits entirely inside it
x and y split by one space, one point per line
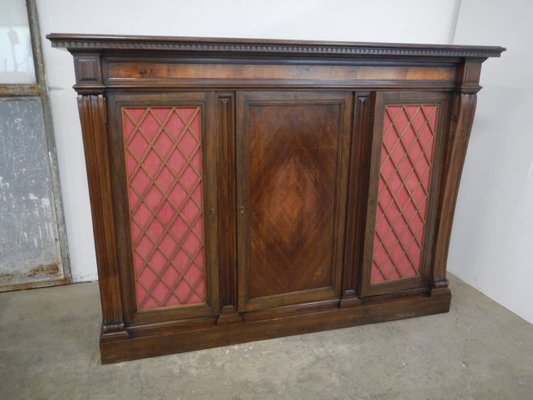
408 149
291 183
164 183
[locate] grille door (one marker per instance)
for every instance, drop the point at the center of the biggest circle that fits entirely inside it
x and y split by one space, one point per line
407 150
165 184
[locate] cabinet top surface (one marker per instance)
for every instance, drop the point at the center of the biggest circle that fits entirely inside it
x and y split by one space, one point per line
204 45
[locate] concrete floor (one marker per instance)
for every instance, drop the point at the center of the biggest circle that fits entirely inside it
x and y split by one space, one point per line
49 350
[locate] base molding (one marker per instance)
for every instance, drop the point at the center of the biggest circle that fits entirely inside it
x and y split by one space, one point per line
122 348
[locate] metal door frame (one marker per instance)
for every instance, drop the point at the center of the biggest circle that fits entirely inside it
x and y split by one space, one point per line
39 90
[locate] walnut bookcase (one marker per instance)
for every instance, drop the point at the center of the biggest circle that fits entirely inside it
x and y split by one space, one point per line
248 189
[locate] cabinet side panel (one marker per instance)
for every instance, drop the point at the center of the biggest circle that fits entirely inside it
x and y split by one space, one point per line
163 154
409 134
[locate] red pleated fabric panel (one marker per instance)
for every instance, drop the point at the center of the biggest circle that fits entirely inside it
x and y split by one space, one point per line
163 154
403 190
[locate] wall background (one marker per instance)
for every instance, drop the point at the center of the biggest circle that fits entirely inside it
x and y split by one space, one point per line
483 223
492 238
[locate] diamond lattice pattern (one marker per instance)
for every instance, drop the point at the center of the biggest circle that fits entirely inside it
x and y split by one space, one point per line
403 190
163 153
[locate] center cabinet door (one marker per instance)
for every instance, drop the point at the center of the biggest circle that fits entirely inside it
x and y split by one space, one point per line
292 151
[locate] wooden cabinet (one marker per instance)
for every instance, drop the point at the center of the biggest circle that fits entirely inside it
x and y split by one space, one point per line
248 189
